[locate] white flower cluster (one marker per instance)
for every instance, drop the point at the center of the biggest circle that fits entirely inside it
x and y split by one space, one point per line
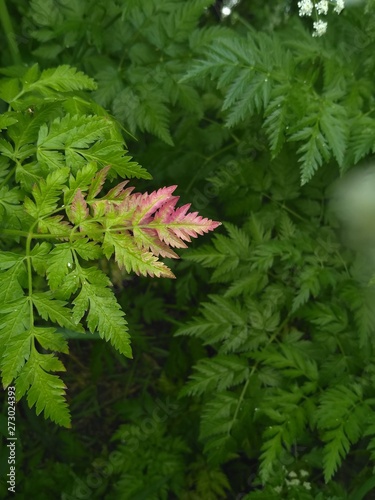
320 27
292 479
306 8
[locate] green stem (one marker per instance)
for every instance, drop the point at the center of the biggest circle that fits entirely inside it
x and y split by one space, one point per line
31 235
254 368
30 273
241 20
9 176
9 33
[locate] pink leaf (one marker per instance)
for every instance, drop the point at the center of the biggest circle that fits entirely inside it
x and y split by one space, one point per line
97 182
118 193
176 225
79 211
148 204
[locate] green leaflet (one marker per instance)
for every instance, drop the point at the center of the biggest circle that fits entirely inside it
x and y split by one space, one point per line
15 338
7 119
47 194
16 353
49 308
80 139
129 256
44 390
339 417
12 282
104 313
63 79
218 373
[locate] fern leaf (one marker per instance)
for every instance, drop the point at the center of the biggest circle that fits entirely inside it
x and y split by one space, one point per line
25 132
59 264
47 193
39 254
176 225
309 280
9 259
104 313
98 182
54 136
11 283
79 210
360 301
216 374
50 308
147 204
55 225
362 140
147 111
207 256
62 79
6 119
109 86
45 391
15 321
340 416
16 352
183 19
216 426
313 152
222 321
51 339
129 256
276 119
111 152
87 249
272 449
333 124
82 181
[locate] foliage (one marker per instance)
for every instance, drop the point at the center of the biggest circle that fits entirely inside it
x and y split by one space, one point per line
263 347
53 172
281 346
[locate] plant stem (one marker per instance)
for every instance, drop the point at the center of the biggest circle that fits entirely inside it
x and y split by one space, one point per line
30 274
9 33
254 368
9 176
26 234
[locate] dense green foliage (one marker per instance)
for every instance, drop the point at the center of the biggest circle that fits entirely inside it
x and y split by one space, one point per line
74 154
253 373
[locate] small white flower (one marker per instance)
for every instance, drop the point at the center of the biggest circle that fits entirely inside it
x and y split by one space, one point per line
292 474
322 7
305 7
303 473
320 28
278 489
340 4
292 482
307 485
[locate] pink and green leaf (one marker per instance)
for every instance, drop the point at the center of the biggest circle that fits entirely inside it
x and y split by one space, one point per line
129 256
79 211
